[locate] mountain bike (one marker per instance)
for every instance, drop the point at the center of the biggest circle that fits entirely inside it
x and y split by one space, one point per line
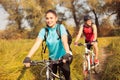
88 62
46 67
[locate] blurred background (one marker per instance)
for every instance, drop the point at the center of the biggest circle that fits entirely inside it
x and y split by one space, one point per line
24 18
21 20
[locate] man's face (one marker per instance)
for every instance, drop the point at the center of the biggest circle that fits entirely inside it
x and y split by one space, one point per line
89 22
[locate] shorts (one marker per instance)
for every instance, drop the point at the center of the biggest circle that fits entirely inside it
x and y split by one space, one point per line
90 45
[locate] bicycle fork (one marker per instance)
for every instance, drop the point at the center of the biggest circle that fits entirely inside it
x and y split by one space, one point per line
86 63
92 60
47 74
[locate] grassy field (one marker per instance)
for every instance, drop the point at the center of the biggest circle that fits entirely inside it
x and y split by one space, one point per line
112 68
12 53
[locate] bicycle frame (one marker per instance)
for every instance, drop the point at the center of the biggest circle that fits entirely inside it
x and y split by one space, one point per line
88 60
49 71
89 56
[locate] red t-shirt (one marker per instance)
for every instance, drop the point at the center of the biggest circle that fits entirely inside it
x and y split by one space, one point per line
88 32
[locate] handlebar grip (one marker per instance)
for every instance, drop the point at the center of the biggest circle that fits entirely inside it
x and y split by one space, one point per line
86 44
33 63
80 44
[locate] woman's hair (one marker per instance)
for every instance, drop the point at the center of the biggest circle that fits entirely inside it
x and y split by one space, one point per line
51 11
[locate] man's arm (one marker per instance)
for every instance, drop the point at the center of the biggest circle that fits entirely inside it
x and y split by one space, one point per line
94 32
79 33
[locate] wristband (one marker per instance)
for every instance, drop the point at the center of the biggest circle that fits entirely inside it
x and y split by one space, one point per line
27 60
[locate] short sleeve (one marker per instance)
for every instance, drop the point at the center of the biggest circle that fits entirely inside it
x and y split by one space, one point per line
63 30
41 33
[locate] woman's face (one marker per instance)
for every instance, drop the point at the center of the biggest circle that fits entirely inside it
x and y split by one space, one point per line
51 19
89 22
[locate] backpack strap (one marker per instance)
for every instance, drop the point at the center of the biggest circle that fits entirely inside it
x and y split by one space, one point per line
58 31
45 38
69 35
46 34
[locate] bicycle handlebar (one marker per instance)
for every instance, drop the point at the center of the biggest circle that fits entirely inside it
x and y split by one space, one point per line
85 44
34 63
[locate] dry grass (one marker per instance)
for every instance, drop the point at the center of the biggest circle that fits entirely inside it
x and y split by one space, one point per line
12 53
112 68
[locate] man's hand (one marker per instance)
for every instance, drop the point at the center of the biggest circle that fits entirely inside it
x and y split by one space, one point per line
27 61
93 42
75 43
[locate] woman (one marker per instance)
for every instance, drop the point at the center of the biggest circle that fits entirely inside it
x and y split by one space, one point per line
58 48
90 32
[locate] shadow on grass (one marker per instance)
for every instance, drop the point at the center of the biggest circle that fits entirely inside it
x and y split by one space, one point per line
22 73
35 70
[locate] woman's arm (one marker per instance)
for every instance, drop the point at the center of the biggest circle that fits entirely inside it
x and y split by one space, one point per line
65 43
64 38
35 47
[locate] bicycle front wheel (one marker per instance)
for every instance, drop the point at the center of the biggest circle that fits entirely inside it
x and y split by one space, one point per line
62 77
89 75
86 70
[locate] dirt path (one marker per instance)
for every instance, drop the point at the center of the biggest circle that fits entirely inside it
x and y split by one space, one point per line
102 57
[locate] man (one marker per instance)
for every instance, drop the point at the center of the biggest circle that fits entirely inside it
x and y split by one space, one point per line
90 32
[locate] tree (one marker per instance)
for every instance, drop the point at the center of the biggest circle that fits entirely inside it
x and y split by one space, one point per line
106 7
78 9
11 6
73 6
113 7
30 10
99 8
35 11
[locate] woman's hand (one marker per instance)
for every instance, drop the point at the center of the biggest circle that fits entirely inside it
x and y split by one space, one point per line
67 58
27 62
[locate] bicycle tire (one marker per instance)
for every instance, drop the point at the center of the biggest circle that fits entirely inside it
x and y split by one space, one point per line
43 74
89 76
97 69
85 69
50 77
87 73
62 77
53 76
56 77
